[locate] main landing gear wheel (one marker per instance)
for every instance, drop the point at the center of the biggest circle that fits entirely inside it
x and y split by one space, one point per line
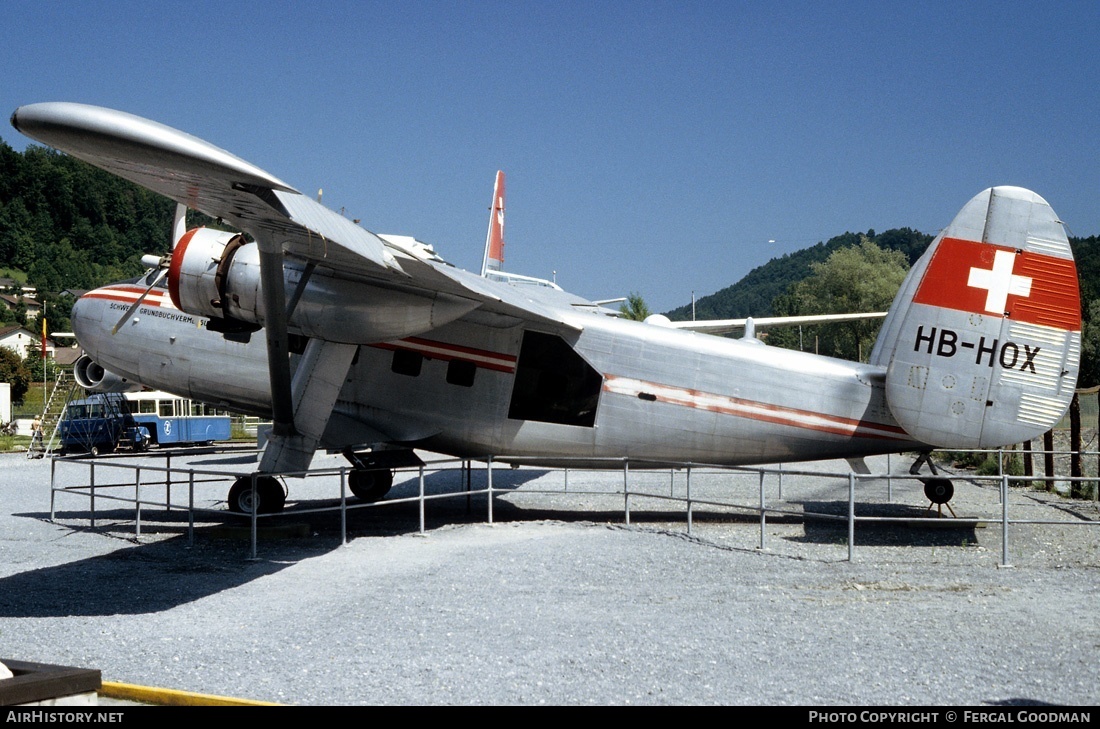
269 491
370 485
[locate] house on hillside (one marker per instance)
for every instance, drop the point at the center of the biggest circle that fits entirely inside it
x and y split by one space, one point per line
24 342
65 350
12 302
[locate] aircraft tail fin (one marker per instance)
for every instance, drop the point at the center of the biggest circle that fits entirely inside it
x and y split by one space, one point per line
494 239
982 343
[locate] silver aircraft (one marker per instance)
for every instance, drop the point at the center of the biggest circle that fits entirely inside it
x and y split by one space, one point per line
370 344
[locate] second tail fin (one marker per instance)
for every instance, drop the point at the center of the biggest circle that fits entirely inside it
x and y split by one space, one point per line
494 239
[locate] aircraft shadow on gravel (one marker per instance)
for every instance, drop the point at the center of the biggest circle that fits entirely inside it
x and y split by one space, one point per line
146 578
936 532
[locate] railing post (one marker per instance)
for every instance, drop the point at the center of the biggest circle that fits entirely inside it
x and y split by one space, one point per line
468 478
421 499
851 515
137 502
1004 521
168 481
489 476
889 481
255 516
688 493
763 511
626 490
191 507
91 493
780 481
53 475
343 506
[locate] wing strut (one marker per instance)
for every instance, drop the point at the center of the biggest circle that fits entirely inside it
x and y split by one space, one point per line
317 383
278 348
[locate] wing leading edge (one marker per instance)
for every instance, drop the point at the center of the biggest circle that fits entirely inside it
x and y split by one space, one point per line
209 179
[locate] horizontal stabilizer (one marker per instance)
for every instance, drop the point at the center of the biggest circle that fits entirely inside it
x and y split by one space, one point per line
726 326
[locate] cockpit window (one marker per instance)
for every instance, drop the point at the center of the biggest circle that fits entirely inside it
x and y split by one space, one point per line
151 276
553 383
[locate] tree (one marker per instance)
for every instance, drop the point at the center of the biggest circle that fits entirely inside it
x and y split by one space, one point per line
14 370
858 279
635 307
1090 346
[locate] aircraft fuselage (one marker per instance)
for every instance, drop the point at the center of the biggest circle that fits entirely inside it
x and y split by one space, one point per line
482 385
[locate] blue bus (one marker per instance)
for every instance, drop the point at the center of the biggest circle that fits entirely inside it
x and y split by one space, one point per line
173 420
106 422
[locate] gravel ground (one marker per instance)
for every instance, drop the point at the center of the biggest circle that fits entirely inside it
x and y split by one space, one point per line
559 601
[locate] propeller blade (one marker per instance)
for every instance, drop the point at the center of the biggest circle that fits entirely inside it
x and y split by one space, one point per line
179 224
133 307
179 227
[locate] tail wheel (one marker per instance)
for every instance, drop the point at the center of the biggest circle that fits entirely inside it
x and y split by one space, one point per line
269 492
938 490
370 485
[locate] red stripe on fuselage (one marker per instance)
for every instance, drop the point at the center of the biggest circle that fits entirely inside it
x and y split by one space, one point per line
444 351
752 410
128 296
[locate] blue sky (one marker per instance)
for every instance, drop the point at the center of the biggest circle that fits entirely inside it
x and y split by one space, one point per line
655 147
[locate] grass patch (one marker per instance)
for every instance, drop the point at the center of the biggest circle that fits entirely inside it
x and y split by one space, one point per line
984 464
11 443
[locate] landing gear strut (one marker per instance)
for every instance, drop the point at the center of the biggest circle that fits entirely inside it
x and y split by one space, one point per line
269 493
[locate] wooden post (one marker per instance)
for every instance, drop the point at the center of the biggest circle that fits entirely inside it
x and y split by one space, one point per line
1048 458
1076 488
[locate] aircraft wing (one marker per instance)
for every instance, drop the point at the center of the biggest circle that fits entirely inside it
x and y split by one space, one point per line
724 326
209 179
206 178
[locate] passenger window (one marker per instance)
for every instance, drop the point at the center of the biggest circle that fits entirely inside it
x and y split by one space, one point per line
407 363
461 373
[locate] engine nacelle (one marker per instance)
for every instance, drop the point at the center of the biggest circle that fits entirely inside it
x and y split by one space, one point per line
196 274
217 274
92 377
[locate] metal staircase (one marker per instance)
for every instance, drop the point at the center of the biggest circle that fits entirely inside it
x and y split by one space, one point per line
52 412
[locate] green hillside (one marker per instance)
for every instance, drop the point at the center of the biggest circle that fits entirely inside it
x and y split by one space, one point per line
755 294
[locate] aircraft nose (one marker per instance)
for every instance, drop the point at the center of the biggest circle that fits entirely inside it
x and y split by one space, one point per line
87 321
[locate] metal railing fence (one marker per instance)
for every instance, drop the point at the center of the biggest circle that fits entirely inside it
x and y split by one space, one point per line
757 493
